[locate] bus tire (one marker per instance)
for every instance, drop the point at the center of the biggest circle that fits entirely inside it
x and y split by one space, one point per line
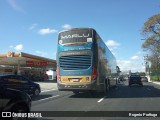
108 85
105 87
116 81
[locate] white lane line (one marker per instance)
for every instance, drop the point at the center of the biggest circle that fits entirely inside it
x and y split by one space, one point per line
48 98
148 89
101 100
47 90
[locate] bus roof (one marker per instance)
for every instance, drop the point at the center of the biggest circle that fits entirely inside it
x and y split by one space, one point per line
76 29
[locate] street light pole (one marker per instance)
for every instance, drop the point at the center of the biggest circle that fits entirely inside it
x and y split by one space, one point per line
147 69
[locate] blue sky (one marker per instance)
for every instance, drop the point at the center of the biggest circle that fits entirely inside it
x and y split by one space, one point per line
32 26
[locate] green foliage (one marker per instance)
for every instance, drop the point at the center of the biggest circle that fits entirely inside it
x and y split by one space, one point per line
141 73
152 30
155 78
154 71
152 43
150 26
155 74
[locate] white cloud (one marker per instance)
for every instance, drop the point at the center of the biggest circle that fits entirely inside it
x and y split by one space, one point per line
46 31
18 47
32 26
135 58
66 26
112 44
126 65
42 53
15 6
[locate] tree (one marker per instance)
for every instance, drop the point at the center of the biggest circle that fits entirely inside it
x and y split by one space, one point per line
151 31
152 25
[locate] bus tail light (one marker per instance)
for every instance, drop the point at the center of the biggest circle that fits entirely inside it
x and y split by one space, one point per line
94 73
58 74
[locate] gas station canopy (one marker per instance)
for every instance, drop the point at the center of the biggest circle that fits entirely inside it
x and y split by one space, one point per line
21 59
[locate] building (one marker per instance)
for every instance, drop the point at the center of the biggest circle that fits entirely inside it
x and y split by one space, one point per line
25 64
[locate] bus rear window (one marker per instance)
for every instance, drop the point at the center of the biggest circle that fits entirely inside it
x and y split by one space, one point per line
75 37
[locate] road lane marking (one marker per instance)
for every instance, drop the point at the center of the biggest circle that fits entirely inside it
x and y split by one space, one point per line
48 98
48 90
101 100
149 89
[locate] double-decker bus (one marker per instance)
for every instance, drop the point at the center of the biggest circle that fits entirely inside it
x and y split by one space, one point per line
84 62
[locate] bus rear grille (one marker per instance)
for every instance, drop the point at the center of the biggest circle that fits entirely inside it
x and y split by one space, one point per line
75 62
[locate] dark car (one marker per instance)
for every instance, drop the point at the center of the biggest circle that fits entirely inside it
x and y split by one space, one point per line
144 79
20 82
135 79
16 101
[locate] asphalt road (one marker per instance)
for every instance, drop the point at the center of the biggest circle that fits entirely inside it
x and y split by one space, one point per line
135 100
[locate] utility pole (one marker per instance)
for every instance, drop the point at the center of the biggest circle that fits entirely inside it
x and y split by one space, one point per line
147 69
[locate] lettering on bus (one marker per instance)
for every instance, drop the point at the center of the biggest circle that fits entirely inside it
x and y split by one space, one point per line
84 48
75 36
75 53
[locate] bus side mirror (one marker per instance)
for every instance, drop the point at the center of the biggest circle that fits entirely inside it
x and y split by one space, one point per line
118 69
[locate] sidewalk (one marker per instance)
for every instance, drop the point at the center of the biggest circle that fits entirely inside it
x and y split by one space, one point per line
47 85
156 82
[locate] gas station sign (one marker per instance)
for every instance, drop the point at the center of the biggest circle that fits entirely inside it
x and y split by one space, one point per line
36 63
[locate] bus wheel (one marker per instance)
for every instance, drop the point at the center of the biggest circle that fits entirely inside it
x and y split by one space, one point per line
105 87
116 81
108 85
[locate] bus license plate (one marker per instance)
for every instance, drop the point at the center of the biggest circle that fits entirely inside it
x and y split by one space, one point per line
75 80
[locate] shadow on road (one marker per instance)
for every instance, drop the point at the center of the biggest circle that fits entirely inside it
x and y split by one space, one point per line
124 91
35 98
89 94
135 91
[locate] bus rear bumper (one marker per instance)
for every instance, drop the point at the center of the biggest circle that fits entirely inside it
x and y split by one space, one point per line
79 87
